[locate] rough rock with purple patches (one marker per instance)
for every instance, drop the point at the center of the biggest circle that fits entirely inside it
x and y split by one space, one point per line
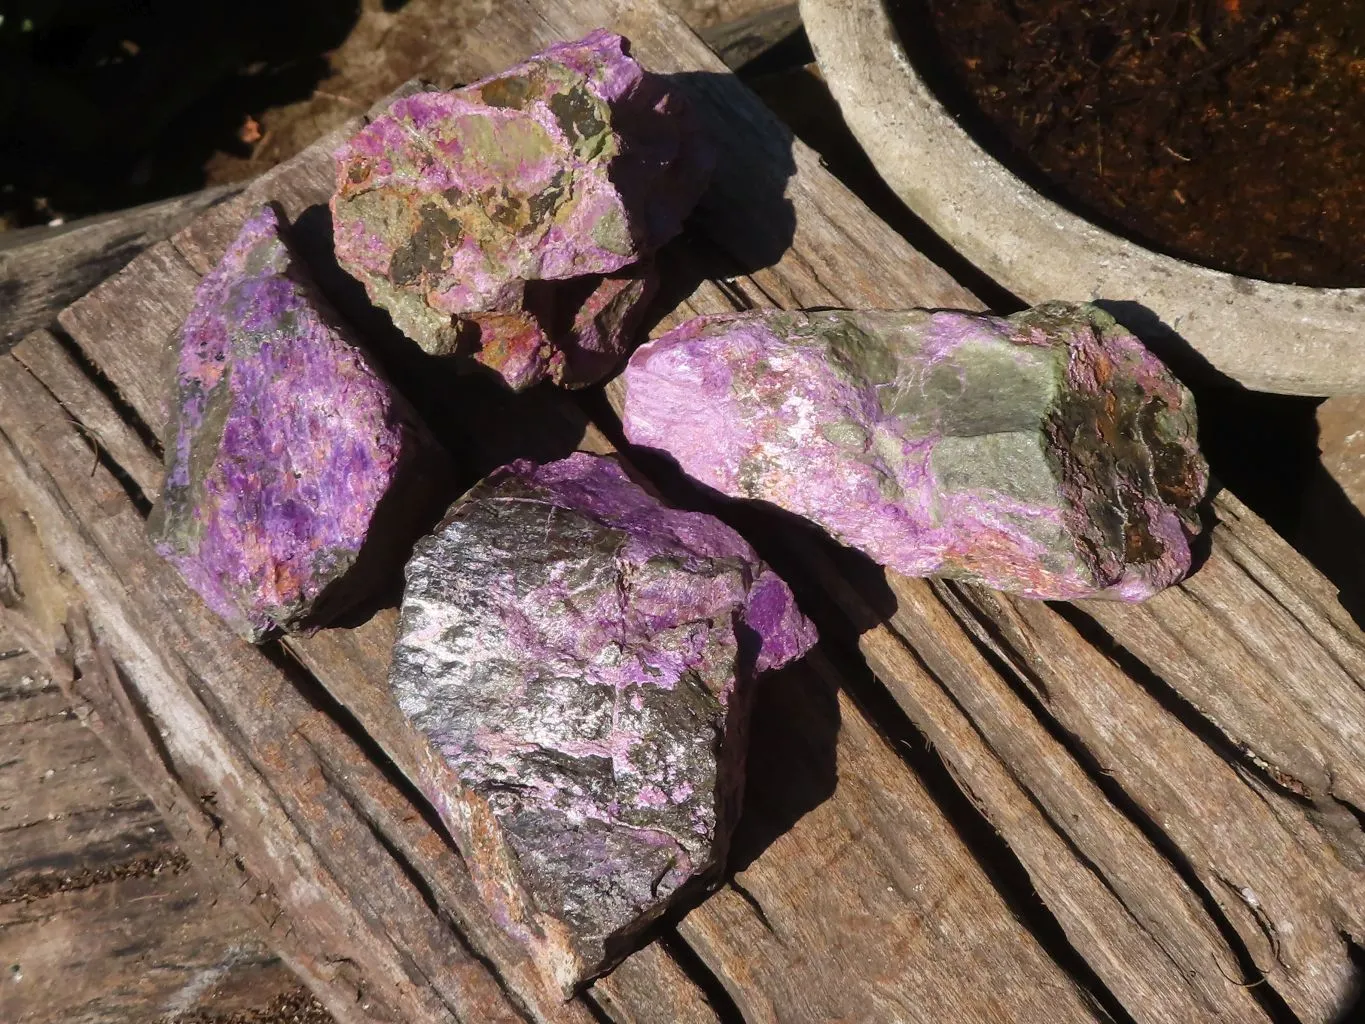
1047 453
511 221
286 450
577 660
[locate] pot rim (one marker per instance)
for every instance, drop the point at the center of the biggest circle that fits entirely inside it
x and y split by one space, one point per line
1285 338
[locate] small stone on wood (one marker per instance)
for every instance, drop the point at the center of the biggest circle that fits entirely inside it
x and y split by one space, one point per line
1047 453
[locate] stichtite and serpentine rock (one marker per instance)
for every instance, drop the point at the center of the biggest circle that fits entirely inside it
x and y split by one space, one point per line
576 661
513 221
295 477
1046 453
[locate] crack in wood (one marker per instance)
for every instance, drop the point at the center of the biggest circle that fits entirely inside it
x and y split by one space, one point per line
41 886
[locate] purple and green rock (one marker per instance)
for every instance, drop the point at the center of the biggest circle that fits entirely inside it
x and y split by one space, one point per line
1046 453
577 661
512 221
294 477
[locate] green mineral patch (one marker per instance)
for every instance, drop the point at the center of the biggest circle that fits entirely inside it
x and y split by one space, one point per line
999 388
425 250
385 213
1175 474
204 447
612 232
512 91
270 255
862 356
848 436
752 469
502 150
433 330
546 203
508 211
583 119
1012 464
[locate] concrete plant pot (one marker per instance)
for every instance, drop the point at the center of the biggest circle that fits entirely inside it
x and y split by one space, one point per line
1270 337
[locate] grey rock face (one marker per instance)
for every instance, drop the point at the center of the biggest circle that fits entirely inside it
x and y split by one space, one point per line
579 657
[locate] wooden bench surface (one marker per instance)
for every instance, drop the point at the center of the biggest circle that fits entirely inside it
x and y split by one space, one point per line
101 918
962 806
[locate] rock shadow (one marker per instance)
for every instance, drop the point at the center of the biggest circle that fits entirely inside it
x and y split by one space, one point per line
473 415
1263 448
791 759
744 221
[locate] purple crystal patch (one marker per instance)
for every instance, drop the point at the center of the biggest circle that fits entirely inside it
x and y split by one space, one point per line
284 444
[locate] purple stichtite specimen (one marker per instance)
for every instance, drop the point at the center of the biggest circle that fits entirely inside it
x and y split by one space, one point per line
577 660
284 449
513 221
1047 453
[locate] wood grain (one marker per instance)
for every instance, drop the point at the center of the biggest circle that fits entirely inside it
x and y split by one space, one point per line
232 766
100 918
142 948
44 269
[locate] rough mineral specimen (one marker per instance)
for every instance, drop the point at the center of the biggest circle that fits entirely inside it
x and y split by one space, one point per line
577 661
512 220
1046 453
284 449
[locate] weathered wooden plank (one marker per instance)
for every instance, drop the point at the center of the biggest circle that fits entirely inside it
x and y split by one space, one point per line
64 807
47 767
1266 655
153 303
1306 635
25 694
44 269
350 662
1289 891
83 847
650 987
868 907
295 185
97 911
742 39
293 833
142 948
105 430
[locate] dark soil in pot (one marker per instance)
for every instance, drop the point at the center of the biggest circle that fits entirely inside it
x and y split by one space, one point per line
1227 132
